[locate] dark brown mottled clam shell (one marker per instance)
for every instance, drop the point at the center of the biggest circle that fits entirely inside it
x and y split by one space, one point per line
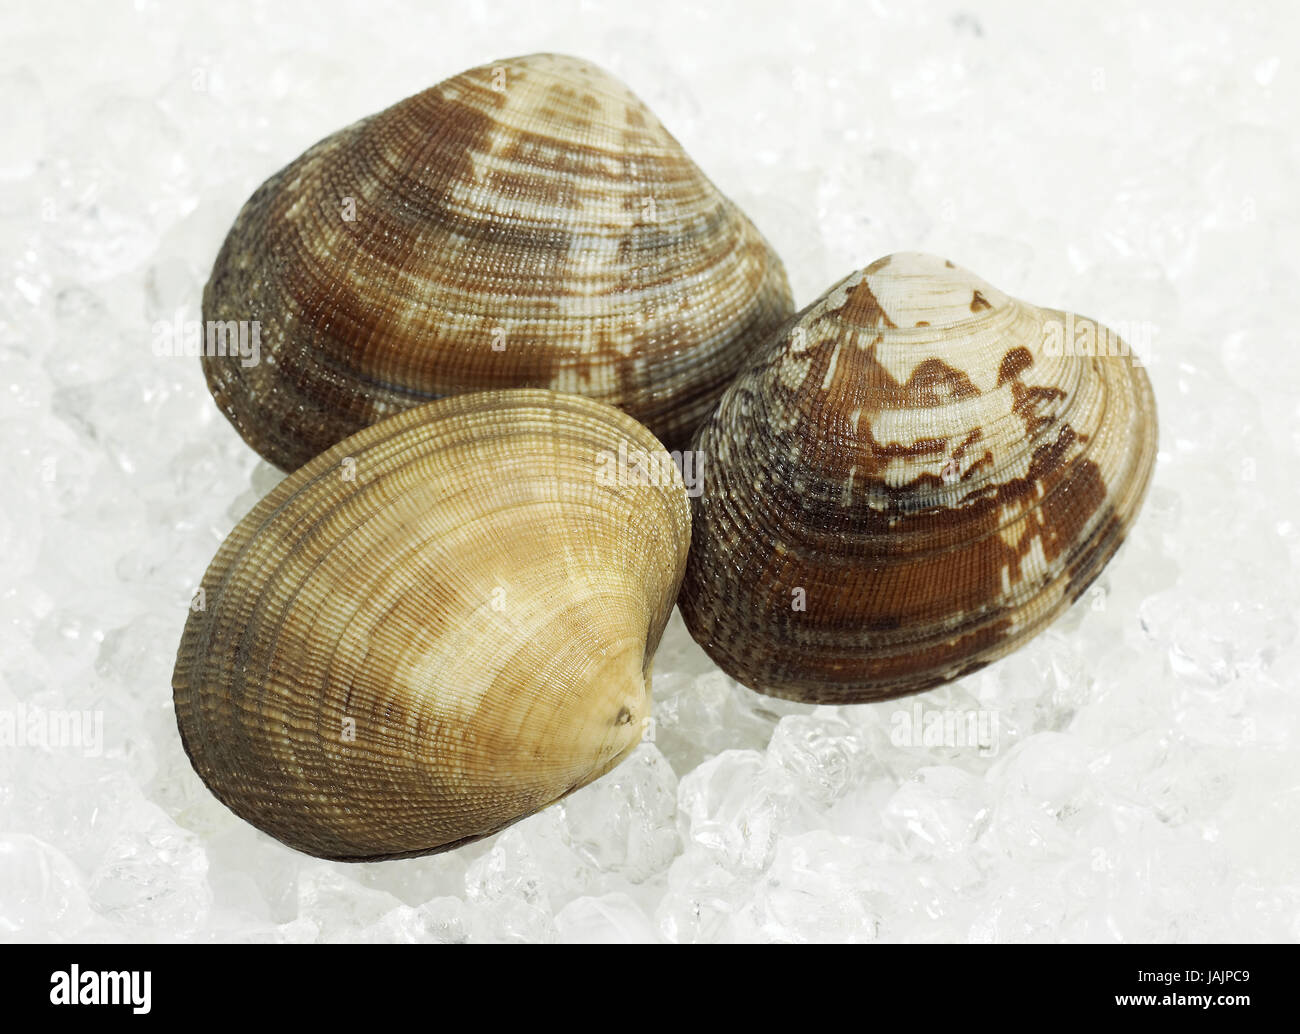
915 475
528 223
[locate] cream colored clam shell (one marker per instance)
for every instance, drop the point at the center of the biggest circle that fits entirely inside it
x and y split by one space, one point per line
439 626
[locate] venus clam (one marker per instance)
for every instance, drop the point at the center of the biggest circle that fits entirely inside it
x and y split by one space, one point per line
913 477
524 224
437 627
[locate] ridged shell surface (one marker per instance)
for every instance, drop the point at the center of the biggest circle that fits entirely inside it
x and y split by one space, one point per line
916 475
524 224
437 627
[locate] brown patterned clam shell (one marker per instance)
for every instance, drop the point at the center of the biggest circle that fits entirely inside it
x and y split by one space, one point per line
916 475
435 628
524 224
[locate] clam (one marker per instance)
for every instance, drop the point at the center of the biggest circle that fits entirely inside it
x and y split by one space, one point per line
437 627
913 477
527 223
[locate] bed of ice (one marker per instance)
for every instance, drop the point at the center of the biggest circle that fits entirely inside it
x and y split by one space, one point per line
1137 770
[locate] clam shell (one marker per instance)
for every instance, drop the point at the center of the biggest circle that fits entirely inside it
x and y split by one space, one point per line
916 475
524 224
437 627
